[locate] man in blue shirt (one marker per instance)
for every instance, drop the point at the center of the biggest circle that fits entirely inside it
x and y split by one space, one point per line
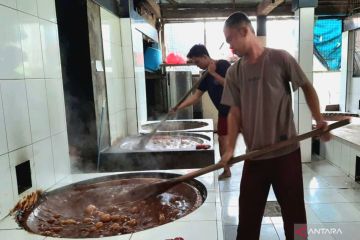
214 85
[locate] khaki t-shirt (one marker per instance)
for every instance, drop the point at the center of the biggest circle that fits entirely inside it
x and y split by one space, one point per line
262 91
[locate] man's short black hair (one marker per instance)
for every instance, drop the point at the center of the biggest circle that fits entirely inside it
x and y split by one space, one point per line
238 18
198 50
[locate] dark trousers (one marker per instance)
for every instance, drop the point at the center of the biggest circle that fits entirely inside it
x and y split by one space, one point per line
285 175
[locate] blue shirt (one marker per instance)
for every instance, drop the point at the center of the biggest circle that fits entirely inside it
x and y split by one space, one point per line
215 89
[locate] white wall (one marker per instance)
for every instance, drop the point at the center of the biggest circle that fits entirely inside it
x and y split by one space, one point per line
115 77
32 110
129 74
139 71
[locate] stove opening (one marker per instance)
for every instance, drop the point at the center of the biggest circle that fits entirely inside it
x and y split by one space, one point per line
23 176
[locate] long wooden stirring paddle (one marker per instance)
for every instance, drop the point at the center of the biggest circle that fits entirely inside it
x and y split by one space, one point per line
153 189
145 139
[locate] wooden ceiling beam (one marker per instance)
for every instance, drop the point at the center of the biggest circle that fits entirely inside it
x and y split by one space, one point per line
266 6
153 7
216 12
173 2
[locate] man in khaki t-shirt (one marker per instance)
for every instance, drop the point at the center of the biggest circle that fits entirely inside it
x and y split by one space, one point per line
257 88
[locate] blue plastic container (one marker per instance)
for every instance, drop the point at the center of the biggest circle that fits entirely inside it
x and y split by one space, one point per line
152 58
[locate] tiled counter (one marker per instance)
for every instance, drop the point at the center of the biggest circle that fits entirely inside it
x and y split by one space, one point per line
203 223
344 147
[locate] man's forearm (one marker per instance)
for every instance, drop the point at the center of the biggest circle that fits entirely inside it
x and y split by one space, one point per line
189 101
218 78
233 122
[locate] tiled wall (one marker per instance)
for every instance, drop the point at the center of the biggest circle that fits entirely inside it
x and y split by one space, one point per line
129 74
140 85
303 118
115 77
32 111
125 75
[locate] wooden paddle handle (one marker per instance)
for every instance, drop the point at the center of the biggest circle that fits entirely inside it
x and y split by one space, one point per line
260 152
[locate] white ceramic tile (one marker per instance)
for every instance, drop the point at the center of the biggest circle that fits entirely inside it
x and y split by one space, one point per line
6 188
268 232
38 109
324 168
3 140
337 153
306 170
9 3
44 164
314 182
111 95
351 195
341 182
305 150
31 46
56 106
141 114
336 212
130 94
112 126
11 58
140 88
228 186
126 38
60 149
50 49
311 217
20 235
122 124
16 113
212 196
128 56
220 231
345 158
271 195
110 26
230 198
352 161
115 54
28 6
108 59
17 157
46 10
121 93
347 230
204 230
322 196
206 212
8 223
132 121
118 60
280 230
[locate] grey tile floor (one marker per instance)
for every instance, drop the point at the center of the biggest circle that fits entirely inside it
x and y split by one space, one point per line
332 202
